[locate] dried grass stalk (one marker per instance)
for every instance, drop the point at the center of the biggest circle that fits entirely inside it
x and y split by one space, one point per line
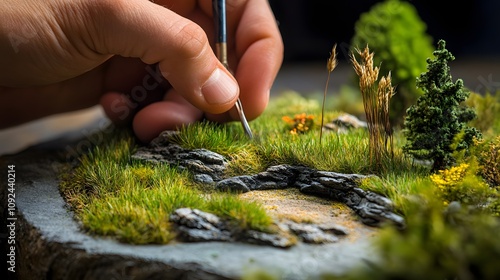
330 66
376 98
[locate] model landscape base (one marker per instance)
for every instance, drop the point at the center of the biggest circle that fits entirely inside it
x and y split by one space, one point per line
50 243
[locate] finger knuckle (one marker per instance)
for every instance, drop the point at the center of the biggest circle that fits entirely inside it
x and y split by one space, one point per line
192 41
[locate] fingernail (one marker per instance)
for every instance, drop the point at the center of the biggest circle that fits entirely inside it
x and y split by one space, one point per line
219 88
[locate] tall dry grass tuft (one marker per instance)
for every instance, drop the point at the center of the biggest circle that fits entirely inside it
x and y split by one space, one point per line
330 66
376 98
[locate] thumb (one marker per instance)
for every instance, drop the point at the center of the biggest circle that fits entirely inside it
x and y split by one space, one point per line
155 34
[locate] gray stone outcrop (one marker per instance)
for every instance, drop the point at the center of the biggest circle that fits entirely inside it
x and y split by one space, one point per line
194 225
208 167
372 208
344 123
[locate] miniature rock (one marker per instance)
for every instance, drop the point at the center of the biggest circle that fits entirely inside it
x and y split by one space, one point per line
311 233
198 161
264 238
195 225
236 184
344 123
335 229
203 178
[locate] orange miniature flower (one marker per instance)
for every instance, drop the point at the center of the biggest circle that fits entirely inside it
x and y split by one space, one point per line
301 123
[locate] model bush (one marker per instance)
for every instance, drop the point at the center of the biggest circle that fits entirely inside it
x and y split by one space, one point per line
436 126
462 184
395 33
487 106
489 160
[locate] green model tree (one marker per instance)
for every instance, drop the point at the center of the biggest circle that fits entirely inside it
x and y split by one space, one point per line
396 34
434 122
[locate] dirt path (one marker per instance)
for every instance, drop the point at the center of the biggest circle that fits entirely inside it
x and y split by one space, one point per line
293 205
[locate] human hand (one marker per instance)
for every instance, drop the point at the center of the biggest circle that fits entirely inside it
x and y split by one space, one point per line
147 63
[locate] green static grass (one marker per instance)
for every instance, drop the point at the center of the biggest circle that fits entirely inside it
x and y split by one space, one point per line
132 201
244 215
226 140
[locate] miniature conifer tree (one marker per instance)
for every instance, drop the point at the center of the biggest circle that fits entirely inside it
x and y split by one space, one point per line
434 123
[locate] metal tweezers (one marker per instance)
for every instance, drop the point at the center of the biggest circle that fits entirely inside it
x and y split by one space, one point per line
219 10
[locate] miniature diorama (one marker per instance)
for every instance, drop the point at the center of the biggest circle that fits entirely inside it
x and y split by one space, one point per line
418 172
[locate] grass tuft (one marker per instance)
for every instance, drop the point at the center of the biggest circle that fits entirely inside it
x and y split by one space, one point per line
223 139
132 201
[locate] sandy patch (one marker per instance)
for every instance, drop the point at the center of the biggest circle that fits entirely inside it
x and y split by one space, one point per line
293 205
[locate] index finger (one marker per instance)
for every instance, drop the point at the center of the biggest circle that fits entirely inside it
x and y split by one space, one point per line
258 50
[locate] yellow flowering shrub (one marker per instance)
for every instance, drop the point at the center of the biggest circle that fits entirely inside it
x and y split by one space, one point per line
449 177
301 123
460 183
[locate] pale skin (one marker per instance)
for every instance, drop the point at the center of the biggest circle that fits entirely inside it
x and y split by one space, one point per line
148 64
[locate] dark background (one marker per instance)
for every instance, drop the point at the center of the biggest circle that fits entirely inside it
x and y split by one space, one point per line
311 27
